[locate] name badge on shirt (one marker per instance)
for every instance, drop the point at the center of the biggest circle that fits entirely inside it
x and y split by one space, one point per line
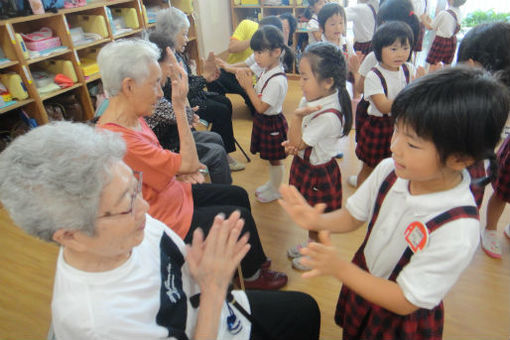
417 236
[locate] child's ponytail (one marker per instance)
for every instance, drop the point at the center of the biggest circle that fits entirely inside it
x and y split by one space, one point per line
345 105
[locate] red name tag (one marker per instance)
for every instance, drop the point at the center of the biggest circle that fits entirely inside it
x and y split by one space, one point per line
417 236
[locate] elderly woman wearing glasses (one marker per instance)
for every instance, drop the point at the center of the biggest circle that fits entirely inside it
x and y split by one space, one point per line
131 77
122 274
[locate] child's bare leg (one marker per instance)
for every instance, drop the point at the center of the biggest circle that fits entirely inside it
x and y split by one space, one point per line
495 208
364 173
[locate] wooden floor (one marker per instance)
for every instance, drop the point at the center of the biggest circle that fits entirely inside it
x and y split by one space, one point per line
478 307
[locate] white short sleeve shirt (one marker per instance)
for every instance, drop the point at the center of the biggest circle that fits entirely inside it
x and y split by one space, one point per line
322 133
433 271
275 91
444 23
312 26
363 20
395 82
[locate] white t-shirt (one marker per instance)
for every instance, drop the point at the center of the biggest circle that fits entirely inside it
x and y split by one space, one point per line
368 62
343 41
322 133
431 272
444 23
312 26
363 20
395 82
275 91
129 301
419 7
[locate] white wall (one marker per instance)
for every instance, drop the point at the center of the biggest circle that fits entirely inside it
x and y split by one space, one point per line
215 26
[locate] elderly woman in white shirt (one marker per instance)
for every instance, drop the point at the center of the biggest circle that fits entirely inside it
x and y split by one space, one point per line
120 273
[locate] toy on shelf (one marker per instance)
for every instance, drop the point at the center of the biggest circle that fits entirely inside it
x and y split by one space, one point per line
123 20
15 85
41 40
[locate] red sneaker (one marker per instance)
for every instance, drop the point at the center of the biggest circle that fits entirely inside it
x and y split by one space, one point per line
268 280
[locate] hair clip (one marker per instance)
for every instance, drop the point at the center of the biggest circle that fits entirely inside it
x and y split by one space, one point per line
411 13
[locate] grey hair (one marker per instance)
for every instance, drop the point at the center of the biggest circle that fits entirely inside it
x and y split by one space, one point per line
170 22
52 177
125 59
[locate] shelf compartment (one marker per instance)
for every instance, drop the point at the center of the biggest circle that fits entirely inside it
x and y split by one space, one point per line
18 104
127 34
92 44
56 93
8 64
49 56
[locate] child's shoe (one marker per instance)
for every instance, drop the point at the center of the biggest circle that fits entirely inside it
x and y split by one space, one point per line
262 188
352 181
490 243
296 264
267 196
294 252
507 231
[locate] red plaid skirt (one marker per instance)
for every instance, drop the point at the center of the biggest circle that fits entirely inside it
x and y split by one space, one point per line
318 183
361 319
267 136
374 140
477 171
442 49
361 116
418 45
501 184
364 47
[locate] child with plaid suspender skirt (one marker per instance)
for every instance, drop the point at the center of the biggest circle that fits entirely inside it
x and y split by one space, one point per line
269 124
446 25
323 117
487 46
364 18
392 48
423 223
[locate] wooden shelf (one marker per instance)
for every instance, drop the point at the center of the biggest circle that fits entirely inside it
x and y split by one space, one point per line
9 64
127 34
49 56
56 93
18 104
94 43
93 77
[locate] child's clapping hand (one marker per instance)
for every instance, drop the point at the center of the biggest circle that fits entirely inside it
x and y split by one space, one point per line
244 77
322 257
299 210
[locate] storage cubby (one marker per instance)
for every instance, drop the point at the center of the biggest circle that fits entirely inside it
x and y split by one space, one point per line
78 57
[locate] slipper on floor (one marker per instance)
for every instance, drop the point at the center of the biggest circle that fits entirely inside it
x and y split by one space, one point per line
490 243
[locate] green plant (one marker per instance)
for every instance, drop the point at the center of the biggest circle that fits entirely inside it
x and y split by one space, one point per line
479 17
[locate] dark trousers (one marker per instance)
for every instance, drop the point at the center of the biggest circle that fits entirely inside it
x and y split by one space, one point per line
227 83
211 199
284 315
218 111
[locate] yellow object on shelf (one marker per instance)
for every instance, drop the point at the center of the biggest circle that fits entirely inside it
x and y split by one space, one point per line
22 46
144 14
60 66
129 15
249 2
15 85
184 5
89 66
93 24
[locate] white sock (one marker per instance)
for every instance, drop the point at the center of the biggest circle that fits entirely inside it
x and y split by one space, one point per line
264 187
276 176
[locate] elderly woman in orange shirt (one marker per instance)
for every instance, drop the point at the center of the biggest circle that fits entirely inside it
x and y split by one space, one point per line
132 77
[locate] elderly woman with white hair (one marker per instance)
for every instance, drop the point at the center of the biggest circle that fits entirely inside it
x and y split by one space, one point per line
213 107
120 273
131 77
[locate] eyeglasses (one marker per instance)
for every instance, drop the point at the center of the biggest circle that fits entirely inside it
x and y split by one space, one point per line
138 189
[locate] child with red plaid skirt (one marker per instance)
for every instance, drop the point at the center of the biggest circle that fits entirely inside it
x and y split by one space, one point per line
487 46
423 222
446 25
269 125
364 18
323 117
392 48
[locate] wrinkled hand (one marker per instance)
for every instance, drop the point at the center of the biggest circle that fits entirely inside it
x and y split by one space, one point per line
303 111
289 149
179 79
196 120
354 62
298 209
212 262
322 257
244 77
211 71
220 63
193 178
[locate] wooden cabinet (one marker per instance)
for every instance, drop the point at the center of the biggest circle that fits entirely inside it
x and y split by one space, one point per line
98 19
259 10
